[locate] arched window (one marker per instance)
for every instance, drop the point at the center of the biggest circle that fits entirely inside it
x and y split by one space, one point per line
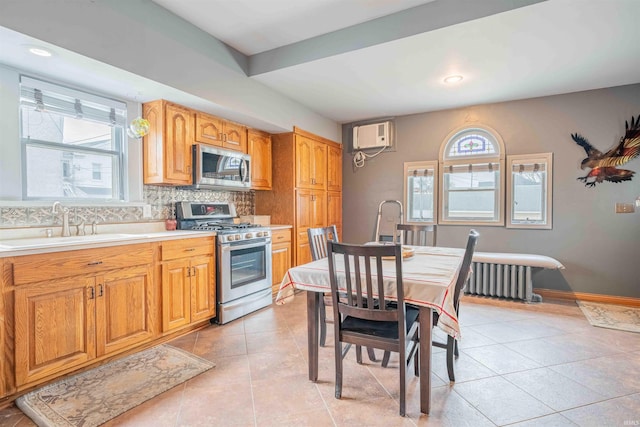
471 165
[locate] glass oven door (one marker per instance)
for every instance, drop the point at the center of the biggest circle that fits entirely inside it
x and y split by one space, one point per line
244 268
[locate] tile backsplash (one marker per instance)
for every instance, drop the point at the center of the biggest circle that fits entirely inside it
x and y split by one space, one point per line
161 199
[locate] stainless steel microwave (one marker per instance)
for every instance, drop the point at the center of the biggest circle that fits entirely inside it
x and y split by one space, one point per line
219 169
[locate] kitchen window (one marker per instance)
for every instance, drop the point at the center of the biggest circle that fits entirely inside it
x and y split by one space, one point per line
73 143
471 165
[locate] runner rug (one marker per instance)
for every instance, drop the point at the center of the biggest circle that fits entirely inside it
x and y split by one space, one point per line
612 316
98 395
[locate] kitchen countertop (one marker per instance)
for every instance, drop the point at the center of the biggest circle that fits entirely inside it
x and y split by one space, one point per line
38 245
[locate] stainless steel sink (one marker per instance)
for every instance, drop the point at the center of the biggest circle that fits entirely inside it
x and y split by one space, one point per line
45 242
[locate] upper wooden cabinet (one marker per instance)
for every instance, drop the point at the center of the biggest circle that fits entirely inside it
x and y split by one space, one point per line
213 130
311 163
334 168
259 148
167 148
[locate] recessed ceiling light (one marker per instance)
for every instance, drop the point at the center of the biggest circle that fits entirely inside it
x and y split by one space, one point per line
453 79
40 51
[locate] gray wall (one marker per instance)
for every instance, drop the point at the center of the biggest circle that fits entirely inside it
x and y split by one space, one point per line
599 248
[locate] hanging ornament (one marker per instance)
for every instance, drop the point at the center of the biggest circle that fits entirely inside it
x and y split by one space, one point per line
138 128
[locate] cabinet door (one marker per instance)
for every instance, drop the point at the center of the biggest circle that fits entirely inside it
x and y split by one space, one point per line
318 209
334 210
319 177
124 309
304 162
235 137
203 288
54 327
259 148
209 129
304 212
152 143
176 291
334 168
178 141
281 262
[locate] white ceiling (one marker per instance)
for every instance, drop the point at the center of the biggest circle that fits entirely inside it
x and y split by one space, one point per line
352 60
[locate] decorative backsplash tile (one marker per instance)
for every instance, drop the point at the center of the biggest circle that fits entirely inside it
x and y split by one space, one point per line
161 199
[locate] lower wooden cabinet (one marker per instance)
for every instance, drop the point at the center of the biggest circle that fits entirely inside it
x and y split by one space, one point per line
67 310
188 282
281 254
68 321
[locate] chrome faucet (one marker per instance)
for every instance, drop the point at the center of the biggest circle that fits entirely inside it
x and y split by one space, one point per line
65 218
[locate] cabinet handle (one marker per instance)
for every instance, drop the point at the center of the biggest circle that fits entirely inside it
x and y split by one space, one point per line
100 290
94 263
190 249
92 292
194 271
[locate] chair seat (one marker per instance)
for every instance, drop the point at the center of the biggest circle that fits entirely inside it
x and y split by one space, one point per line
379 329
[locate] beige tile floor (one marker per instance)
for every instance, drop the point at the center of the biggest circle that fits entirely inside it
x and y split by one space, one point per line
519 365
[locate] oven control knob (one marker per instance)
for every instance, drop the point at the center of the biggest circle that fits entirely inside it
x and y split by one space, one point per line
229 238
248 236
259 234
237 237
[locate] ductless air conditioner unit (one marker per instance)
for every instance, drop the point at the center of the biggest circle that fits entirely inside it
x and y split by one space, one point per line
375 135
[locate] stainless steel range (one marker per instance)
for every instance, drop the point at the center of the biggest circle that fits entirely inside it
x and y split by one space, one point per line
243 257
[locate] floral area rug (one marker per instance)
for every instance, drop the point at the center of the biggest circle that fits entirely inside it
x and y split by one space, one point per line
612 316
98 395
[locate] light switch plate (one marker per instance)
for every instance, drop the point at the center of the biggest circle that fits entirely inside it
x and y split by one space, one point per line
625 208
146 211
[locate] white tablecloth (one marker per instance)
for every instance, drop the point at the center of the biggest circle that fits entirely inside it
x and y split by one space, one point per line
429 279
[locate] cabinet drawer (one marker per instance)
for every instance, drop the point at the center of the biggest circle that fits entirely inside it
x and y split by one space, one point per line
36 268
172 249
280 235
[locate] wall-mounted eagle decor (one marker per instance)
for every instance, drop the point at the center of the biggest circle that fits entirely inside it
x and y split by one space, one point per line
603 165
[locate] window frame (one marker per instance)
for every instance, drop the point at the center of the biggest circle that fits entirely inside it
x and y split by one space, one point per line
98 108
427 164
472 159
515 159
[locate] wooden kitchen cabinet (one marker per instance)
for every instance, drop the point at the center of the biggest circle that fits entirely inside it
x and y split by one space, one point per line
334 169
281 257
188 282
72 307
334 210
299 194
259 148
166 149
222 133
311 163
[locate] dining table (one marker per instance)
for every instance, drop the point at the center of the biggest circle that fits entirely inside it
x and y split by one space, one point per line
429 276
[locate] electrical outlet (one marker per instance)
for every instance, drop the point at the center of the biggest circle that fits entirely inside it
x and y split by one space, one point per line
146 211
625 208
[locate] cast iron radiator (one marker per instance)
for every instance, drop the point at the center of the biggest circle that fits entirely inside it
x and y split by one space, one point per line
501 280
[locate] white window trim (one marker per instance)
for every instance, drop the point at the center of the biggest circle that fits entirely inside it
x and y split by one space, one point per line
499 158
430 164
547 159
11 160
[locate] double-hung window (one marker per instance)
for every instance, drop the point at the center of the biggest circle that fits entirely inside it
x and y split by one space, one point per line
420 189
471 164
529 184
73 143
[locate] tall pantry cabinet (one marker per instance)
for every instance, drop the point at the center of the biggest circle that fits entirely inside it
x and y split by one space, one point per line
307 195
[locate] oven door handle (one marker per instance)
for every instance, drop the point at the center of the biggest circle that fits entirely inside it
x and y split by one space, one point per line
229 248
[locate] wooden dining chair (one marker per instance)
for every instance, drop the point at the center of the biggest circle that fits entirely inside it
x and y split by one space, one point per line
362 320
318 238
465 269
417 235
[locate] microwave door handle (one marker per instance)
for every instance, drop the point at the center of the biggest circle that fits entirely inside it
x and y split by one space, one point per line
243 170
